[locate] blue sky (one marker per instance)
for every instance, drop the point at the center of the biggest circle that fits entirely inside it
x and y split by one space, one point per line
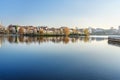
56 13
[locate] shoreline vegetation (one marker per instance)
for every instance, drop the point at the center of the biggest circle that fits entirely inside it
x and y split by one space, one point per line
43 31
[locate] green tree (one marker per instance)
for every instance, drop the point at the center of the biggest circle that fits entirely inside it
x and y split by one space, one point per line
16 28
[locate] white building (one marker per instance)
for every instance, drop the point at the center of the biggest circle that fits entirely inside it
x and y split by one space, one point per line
90 30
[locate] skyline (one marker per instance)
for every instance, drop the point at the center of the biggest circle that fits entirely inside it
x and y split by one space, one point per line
71 13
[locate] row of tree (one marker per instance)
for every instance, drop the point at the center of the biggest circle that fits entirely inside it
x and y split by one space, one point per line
65 31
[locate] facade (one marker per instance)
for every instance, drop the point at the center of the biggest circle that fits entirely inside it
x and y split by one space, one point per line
1 29
12 29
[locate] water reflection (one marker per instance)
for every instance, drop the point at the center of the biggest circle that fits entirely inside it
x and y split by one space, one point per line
113 43
29 40
73 58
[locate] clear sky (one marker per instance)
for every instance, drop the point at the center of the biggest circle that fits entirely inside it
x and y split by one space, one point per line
56 13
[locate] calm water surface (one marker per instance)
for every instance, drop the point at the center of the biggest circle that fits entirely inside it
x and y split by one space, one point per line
58 58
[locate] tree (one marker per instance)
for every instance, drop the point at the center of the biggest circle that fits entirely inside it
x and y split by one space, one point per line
16 28
66 31
10 30
21 30
86 32
6 31
41 32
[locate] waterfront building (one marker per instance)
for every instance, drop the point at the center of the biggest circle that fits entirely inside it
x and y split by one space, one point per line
1 29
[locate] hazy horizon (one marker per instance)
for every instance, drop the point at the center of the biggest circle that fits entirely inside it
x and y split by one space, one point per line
71 13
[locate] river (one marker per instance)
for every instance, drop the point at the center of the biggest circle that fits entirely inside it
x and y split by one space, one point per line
58 58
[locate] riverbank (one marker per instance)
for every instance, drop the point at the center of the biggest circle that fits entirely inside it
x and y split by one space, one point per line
55 35
45 35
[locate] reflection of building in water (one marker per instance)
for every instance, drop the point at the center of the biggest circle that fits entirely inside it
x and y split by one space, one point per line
100 39
40 39
113 43
28 40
